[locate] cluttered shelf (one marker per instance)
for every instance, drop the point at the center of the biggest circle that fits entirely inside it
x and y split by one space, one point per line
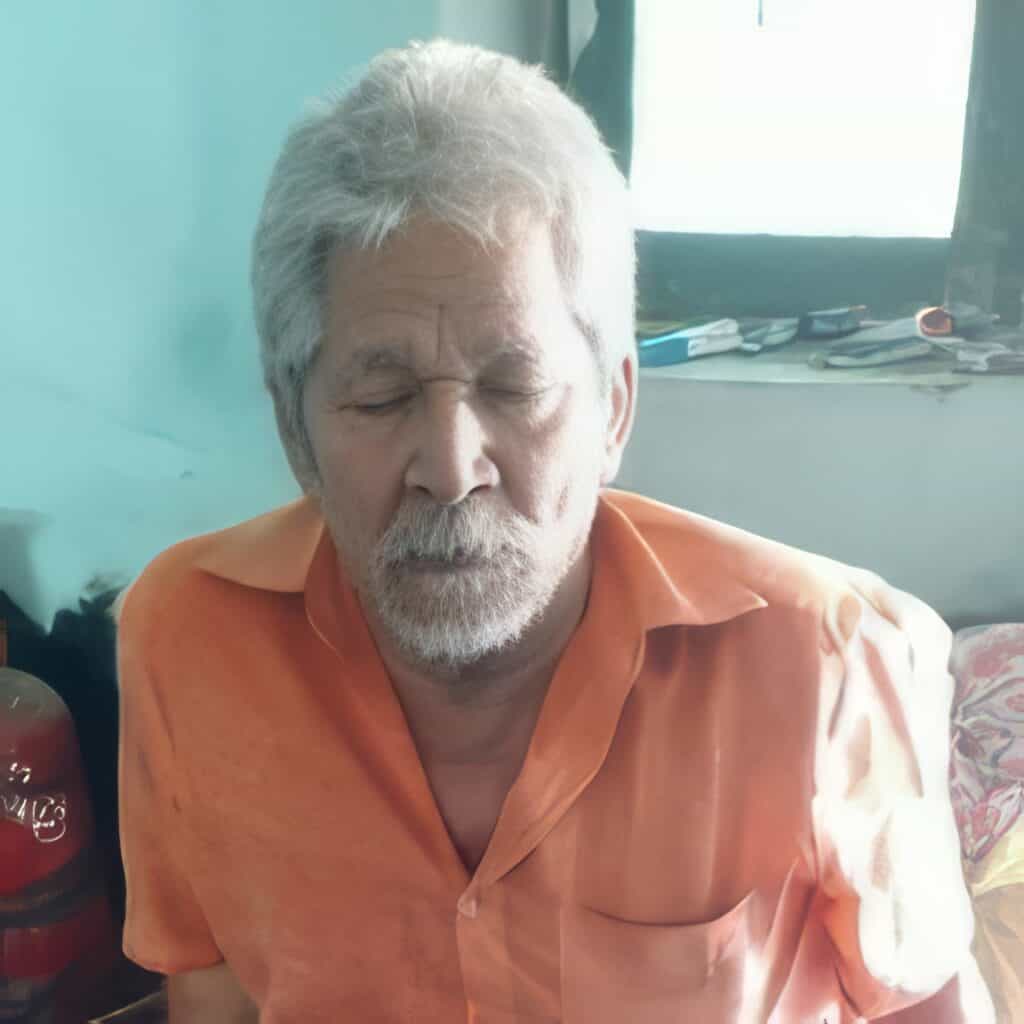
790 366
940 347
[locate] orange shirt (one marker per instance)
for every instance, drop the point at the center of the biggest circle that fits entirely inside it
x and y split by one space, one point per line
731 809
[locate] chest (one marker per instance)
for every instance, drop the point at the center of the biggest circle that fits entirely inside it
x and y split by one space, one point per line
620 893
638 871
469 800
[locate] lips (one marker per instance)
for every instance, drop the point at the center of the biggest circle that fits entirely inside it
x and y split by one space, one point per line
463 563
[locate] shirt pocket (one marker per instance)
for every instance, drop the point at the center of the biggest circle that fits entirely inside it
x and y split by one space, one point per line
624 972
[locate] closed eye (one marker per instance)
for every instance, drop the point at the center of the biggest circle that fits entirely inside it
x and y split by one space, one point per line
523 393
382 406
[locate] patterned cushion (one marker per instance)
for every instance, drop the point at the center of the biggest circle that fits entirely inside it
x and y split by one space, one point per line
987 770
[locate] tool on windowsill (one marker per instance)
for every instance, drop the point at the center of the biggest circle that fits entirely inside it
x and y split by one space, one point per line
759 335
831 323
688 342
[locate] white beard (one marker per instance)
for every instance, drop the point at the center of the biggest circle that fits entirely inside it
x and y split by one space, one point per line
455 618
454 614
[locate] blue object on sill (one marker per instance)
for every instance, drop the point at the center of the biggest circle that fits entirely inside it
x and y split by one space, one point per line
689 342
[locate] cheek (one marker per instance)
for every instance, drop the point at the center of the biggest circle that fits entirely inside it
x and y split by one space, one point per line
557 471
358 486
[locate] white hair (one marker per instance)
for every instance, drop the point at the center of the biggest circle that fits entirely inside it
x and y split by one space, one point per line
460 135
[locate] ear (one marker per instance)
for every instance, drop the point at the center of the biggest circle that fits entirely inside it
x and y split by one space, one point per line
621 409
299 457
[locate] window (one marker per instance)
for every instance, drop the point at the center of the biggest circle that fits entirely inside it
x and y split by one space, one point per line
800 117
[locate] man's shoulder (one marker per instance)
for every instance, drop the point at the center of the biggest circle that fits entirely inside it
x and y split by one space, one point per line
270 551
702 554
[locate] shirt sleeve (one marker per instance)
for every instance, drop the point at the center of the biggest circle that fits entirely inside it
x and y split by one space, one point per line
897 907
165 929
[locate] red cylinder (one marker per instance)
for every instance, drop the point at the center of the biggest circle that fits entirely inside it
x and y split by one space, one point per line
58 940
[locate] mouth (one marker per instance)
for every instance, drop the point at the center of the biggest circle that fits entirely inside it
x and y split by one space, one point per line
463 563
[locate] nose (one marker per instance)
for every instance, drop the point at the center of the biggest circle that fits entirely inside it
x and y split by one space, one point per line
450 460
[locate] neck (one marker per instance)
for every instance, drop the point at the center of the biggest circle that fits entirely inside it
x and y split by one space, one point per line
484 712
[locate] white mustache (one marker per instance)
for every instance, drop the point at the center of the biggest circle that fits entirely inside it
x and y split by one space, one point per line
451 533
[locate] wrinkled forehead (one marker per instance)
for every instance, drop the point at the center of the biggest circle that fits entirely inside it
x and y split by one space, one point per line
433 285
432 263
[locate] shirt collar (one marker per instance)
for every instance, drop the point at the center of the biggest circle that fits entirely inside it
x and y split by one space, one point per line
274 551
672 567
675 567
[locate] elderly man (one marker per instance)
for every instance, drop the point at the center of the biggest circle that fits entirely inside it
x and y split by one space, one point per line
461 735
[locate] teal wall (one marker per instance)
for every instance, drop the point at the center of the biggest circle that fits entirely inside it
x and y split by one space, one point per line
137 139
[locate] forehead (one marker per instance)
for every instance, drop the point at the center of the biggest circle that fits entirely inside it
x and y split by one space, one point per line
430 271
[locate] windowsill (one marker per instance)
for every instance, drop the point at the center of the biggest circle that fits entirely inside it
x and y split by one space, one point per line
788 365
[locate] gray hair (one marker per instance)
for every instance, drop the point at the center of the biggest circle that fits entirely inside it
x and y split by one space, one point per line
465 137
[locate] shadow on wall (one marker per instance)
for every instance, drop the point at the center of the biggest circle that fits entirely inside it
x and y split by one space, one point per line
16 529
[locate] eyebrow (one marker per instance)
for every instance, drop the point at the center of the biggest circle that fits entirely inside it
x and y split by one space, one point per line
394 356
369 360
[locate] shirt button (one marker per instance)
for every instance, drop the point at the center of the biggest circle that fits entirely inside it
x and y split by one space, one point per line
469 906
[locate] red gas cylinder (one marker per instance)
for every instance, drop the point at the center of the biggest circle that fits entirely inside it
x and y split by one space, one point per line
58 940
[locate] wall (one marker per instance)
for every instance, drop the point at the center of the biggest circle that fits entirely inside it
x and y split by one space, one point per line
532 30
135 155
922 484
987 264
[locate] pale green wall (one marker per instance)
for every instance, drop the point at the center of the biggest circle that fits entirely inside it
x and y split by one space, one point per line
137 139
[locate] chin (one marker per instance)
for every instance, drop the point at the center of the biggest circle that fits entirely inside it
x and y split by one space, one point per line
439 643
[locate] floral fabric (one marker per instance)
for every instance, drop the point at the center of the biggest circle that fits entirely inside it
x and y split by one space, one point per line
987 766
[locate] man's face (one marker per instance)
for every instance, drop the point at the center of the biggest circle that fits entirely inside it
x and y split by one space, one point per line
461 437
